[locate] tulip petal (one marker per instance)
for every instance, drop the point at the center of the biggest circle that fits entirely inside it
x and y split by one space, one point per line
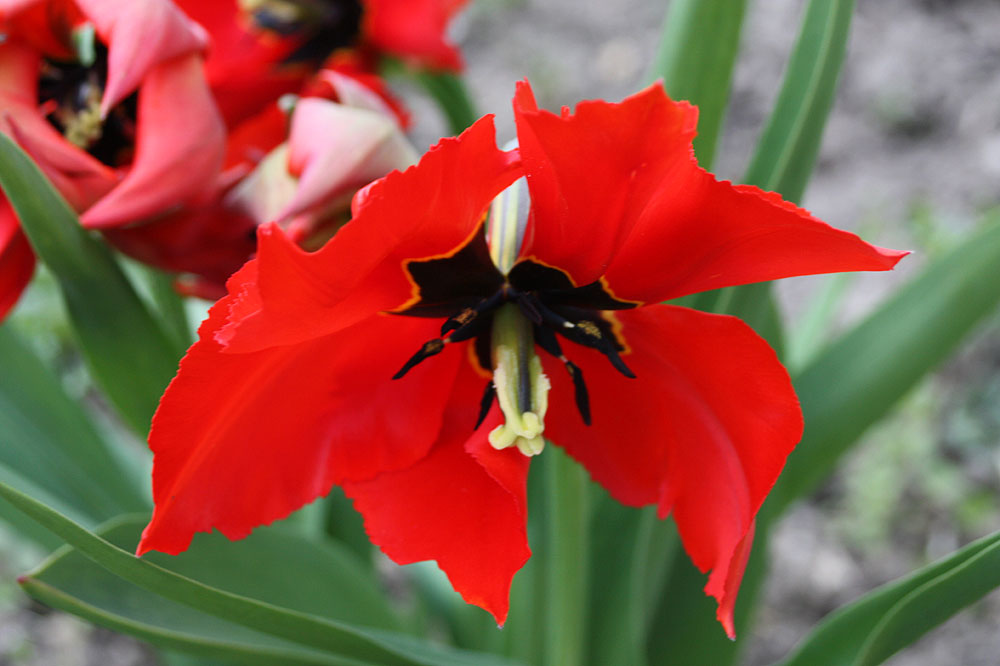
430 209
140 36
336 149
180 145
17 261
414 29
702 431
11 7
244 66
464 505
241 440
616 191
589 173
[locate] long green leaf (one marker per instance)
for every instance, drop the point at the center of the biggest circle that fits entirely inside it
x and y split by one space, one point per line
853 383
129 354
931 604
787 151
339 638
172 626
272 564
46 437
698 47
887 619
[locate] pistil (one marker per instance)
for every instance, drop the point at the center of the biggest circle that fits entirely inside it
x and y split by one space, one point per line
522 389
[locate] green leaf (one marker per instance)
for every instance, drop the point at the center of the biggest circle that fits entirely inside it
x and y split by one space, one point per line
787 150
128 353
853 382
272 565
47 438
370 646
882 622
698 48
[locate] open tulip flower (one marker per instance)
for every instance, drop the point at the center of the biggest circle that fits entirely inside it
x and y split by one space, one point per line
300 172
479 304
262 49
109 98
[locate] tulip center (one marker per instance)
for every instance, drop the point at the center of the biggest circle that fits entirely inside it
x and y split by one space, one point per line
510 308
69 94
320 27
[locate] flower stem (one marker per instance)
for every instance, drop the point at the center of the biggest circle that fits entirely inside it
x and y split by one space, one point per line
566 586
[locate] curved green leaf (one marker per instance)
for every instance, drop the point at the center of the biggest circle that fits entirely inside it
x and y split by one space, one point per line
273 565
786 153
880 623
366 645
126 608
129 354
698 47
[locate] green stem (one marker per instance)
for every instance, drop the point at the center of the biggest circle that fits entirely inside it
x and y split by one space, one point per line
566 557
452 97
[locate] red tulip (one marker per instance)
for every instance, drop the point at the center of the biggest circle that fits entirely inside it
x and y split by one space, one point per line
301 173
263 49
126 128
420 366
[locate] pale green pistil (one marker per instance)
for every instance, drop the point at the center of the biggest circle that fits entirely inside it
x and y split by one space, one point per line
521 386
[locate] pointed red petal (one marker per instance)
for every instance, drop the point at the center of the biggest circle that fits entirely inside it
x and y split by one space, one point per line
140 36
240 440
703 234
17 261
414 29
589 173
180 145
464 506
616 192
428 210
724 581
703 430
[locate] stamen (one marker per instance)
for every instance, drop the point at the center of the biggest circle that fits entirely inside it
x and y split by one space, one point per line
485 403
430 348
546 339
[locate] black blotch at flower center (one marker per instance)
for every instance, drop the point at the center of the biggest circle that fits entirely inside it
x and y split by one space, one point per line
466 289
69 93
319 26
